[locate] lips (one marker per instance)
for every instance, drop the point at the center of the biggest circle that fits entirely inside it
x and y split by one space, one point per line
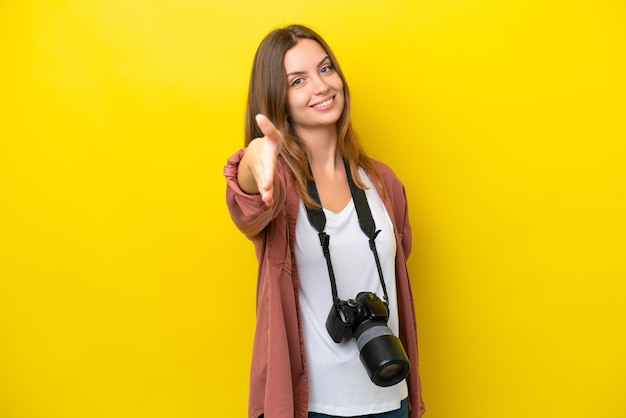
326 103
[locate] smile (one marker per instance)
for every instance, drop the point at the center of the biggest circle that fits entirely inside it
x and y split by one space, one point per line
324 104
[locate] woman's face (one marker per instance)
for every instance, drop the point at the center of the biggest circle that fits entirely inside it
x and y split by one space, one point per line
315 96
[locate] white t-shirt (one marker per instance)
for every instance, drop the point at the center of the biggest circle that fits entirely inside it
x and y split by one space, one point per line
338 382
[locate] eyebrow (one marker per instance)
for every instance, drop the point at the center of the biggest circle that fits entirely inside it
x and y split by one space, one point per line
304 72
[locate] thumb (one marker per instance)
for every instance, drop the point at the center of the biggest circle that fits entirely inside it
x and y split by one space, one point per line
268 129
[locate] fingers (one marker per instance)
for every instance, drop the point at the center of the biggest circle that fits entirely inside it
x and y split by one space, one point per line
265 181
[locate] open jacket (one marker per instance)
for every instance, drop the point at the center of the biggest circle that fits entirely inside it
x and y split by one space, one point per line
278 378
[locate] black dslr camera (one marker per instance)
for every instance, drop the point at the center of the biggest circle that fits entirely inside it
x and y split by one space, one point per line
365 318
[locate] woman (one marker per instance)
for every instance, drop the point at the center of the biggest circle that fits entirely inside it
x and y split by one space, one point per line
301 154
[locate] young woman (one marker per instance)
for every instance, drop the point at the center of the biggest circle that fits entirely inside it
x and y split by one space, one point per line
300 158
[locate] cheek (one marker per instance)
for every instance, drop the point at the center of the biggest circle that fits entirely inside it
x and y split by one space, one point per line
295 99
291 107
338 83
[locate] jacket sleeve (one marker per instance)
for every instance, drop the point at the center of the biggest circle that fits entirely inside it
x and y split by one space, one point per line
407 234
249 213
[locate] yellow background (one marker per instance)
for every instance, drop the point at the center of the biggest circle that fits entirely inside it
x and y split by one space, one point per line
125 290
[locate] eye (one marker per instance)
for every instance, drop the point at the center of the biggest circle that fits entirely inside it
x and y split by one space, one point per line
297 82
326 69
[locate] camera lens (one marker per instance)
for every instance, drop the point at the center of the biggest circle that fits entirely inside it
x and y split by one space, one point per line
381 353
390 371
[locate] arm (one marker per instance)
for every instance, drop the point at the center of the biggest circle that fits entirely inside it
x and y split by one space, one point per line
258 165
255 187
248 210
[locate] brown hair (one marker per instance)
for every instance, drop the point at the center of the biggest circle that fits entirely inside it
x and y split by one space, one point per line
268 95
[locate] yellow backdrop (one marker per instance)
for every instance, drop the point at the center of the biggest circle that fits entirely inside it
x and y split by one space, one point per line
125 290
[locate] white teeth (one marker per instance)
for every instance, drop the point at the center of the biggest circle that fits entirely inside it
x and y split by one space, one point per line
326 103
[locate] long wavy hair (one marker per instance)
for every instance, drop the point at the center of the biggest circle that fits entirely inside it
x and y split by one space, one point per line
268 95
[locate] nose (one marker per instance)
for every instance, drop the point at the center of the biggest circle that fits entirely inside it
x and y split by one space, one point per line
320 86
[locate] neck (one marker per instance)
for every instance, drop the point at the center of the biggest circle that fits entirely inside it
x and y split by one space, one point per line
322 150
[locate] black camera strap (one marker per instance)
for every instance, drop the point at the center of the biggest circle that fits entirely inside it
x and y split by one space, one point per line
317 219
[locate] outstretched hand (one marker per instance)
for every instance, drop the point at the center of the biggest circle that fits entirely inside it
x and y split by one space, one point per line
257 167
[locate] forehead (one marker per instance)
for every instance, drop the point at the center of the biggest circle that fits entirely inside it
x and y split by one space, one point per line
305 55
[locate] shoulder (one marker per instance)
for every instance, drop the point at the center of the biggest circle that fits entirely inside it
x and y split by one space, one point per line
386 174
392 187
